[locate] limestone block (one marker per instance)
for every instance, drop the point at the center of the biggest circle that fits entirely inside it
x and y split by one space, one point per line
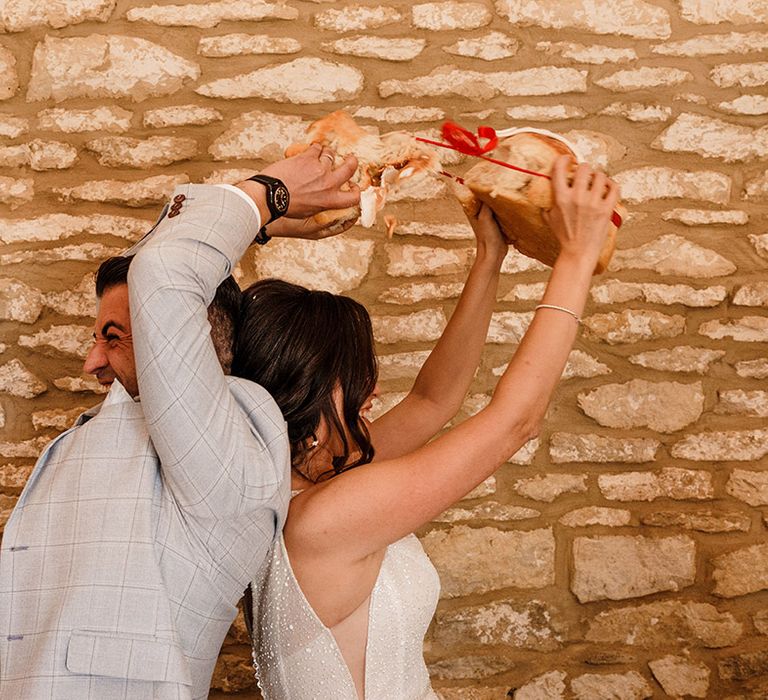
754 369
619 567
715 44
67 339
678 676
357 18
18 15
516 262
74 121
9 78
748 329
743 667
530 625
749 486
670 482
448 232
599 150
377 47
548 686
485 488
415 292
15 156
683 358
23 449
526 453
745 75
594 54
525 292
640 185
155 151
13 476
580 364
137 193
492 46
245 45
702 521
384 403
420 326
447 15
474 692
19 302
490 510
419 190
259 135
401 365
12 127
673 255
626 17
757 190
475 667
17 380
412 261
734 445
752 294
233 673
210 14
616 292
741 572
477 560
733 11
399 115
623 686
644 78
54 227
84 251
15 192
80 384
56 418
761 621
632 326
595 515
545 113
713 138
740 402
638 112
301 81
669 623
572 447
548 487
704 217
662 406
105 66
752 105
181 115
451 81
78 301
335 264
508 326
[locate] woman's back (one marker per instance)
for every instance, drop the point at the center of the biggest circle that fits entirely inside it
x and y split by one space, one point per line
298 657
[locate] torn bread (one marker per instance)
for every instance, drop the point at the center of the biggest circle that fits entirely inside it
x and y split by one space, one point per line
518 199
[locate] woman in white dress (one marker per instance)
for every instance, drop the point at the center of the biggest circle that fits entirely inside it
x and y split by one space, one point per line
347 594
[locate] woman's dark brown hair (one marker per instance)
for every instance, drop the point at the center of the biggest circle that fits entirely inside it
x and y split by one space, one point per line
299 345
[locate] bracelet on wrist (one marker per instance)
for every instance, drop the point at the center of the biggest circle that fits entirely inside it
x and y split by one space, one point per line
554 307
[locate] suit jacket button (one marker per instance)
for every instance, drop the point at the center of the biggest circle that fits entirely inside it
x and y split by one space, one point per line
179 198
174 212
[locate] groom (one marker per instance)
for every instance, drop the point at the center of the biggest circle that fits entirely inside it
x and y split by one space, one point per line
139 528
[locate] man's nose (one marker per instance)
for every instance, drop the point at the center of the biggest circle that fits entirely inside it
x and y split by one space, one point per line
96 358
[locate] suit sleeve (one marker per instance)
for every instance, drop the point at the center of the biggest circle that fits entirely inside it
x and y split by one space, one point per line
214 460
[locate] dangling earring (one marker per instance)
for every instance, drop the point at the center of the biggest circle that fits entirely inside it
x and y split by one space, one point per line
314 443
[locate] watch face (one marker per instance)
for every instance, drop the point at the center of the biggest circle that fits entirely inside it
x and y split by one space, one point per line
281 199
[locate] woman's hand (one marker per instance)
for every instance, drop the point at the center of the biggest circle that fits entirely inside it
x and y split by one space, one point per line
305 228
582 209
491 243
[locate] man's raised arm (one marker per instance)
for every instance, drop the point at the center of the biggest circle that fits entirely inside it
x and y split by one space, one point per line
215 447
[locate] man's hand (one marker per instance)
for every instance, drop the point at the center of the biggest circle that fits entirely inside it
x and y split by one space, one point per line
305 228
314 183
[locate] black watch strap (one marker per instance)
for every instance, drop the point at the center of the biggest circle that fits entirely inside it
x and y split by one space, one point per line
262 236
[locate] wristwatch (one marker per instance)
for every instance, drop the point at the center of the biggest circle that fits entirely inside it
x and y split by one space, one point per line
278 199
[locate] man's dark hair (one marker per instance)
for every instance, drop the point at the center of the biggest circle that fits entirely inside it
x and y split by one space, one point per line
300 345
223 311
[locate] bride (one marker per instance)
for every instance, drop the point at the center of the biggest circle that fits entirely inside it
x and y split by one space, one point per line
347 592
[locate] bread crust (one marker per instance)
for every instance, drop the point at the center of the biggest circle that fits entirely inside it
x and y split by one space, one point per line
518 199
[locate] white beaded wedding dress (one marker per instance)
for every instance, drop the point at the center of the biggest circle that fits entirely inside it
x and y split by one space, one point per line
298 658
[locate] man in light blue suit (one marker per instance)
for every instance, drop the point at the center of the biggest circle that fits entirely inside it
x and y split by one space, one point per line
140 527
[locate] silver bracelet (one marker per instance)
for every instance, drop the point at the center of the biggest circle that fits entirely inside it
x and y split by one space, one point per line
558 308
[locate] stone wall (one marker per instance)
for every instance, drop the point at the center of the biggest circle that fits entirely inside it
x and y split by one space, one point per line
623 553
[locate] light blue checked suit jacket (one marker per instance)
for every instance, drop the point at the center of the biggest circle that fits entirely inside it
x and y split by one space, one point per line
139 528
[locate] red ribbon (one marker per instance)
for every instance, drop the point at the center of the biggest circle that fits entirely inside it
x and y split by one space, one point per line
464 141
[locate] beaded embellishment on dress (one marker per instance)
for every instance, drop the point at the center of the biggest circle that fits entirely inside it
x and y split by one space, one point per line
297 657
